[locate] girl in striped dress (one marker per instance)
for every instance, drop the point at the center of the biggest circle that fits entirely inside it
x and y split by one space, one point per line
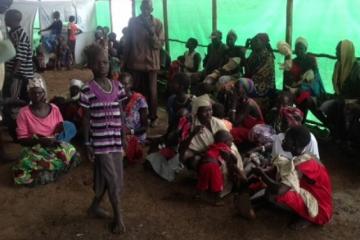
101 99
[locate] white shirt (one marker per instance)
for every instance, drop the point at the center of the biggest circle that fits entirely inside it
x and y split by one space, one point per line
311 148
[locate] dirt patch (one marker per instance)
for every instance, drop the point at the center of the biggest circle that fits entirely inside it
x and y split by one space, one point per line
155 209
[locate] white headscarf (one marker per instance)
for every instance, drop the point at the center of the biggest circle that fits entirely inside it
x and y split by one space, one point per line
37 81
77 83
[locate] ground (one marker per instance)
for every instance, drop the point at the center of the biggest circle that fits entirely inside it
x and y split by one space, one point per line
155 209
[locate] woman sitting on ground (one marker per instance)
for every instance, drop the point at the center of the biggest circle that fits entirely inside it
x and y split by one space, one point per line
44 136
245 112
303 79
204 126
136 113
302 185
346 82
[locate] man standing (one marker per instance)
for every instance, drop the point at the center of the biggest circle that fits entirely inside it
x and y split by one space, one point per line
144 39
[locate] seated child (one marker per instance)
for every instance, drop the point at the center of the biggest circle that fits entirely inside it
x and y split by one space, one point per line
211 180
219 112
64 56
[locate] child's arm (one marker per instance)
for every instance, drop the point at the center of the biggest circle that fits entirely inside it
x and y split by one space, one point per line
48 28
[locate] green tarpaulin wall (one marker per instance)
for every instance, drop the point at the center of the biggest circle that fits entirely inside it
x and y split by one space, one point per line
322 22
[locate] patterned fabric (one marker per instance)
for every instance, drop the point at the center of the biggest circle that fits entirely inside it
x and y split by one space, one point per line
39 165
248 85
292 115
260 68
23 53
132 113
105 115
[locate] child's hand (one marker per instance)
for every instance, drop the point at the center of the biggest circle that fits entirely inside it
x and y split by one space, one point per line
198 129
48 142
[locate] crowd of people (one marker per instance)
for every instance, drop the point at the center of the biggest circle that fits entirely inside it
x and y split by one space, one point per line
227 124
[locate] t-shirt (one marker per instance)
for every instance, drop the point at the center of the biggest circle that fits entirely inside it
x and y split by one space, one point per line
105 116
23 49
72 31
56 28
311 148
29 125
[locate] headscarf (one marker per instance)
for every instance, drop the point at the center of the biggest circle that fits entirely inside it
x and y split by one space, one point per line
343 67
264 38
76 83
201 101
37 81
303 41
292 115
284 48
247 84
262 134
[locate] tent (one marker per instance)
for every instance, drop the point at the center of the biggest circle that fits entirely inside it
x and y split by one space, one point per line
322 22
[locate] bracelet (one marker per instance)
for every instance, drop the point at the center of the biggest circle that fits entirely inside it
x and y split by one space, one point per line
87 143
132 131
233 110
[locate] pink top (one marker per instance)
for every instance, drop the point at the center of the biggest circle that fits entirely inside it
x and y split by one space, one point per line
29 125
73 31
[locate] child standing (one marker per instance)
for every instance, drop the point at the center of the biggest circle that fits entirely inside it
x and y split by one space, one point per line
73 30
55 32
20 68
104 134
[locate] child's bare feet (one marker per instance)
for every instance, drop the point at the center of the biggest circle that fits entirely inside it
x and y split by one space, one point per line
98 212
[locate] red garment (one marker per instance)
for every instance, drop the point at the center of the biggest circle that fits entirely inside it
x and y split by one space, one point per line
175 67
241 134
321 190
302 96
134 150
210 176
167 152
185 127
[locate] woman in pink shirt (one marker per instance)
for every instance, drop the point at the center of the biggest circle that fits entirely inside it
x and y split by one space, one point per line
44 136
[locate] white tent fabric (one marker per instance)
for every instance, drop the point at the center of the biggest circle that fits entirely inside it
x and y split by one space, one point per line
83 9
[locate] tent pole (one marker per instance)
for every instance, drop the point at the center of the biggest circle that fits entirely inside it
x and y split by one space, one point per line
111 19
133 6
214 15
166 25
289 21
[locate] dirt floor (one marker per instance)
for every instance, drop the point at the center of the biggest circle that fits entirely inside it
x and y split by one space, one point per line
155 209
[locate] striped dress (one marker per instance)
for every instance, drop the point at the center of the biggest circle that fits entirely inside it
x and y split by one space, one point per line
105 116
23 53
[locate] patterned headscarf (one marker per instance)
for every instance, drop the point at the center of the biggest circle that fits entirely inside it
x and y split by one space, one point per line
247 84
37 81
292 115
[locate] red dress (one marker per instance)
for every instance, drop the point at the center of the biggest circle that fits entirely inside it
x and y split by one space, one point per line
321 189
210 176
